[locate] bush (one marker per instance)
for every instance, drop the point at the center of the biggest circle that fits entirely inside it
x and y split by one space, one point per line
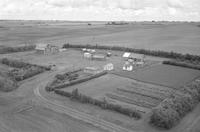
75 95
7 84
182 64
23 70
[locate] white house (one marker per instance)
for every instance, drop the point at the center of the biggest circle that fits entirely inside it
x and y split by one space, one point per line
109 67
127 66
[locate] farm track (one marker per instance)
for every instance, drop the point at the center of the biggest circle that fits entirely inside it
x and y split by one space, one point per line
80 115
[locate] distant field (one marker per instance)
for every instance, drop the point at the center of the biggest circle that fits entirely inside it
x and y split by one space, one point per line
179 37
166 75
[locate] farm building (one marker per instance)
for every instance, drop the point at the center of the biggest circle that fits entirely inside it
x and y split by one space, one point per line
127 66
99 57
46 48
87 55
135 59
109 67
92 70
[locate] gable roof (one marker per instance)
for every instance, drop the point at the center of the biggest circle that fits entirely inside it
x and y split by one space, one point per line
126 54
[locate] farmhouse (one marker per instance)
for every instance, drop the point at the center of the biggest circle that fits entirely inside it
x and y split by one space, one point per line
127 66
43 48
92 70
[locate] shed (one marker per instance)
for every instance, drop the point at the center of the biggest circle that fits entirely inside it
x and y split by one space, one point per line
99 57
92 70
87 55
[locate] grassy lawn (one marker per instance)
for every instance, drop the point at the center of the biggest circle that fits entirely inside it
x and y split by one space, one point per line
165 75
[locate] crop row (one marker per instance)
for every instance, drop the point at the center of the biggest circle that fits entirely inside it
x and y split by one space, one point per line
137 102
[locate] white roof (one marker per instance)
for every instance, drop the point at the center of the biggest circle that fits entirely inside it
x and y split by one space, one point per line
41 46
126 54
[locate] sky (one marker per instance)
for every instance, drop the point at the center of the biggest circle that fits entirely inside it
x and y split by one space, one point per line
101 10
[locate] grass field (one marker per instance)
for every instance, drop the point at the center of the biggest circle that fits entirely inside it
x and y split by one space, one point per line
180 37
166 75
123 91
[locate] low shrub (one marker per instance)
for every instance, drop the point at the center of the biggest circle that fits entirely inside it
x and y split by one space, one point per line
75 95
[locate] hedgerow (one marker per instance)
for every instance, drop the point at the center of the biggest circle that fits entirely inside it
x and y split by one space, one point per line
5 50
75 95
158 53
182 64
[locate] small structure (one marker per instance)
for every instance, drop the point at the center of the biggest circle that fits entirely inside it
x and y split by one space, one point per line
128 66
109 67
87 55
92 70
100 57
46 48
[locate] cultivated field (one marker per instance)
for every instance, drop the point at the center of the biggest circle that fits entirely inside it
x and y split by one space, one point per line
141 90
180 37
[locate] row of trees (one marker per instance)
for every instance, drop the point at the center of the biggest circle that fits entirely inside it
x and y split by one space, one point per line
5 50
171 110
158 53
55 85
75 95
182 64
